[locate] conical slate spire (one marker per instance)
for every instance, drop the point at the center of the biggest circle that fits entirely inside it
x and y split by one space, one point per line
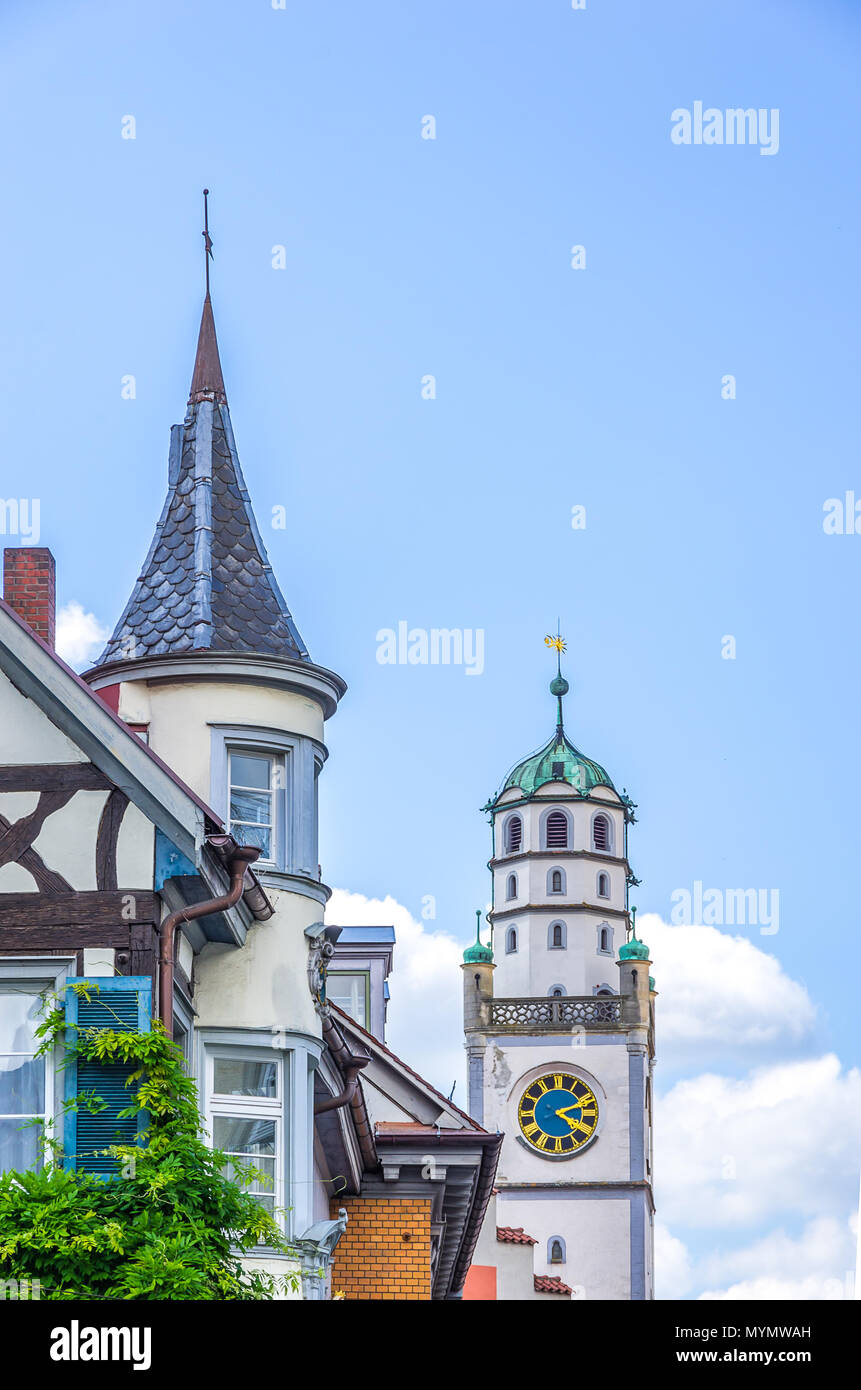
206 583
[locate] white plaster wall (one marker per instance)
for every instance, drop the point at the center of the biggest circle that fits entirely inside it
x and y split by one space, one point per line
597 1236
15 879
265 984
135 850
27 735
535 967
179 717
580 811
67 840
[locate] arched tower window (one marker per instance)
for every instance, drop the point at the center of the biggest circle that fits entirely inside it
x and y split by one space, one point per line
556 881
557 936
511 941
511 886
603 885
513 834
557 992
556 831
556 1250
605 939
602 833
605 991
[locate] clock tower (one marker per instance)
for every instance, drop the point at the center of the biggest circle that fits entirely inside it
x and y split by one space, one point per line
559 1023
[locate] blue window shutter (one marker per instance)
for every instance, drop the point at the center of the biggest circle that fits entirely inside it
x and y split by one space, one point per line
122 1003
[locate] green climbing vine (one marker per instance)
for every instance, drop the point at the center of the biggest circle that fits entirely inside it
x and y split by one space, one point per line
170 1225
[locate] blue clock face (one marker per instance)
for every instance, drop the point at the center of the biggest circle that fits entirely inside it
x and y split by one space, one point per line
558 1114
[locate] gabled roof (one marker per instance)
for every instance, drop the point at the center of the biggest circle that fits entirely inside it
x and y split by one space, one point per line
42 676
206 584
514 1235
550 1283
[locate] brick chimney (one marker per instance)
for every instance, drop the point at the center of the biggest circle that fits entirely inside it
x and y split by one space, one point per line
29 586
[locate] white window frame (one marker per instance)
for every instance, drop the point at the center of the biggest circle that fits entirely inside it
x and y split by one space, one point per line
39 975
569 829
364 977
608 950
276 793
563 944
556 892
274 1108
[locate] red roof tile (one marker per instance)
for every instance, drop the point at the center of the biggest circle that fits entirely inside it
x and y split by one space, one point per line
514 1235
550 1283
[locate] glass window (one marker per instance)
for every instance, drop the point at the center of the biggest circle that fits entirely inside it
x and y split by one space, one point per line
252 803
247 1122
350 993
24 1082
249 1144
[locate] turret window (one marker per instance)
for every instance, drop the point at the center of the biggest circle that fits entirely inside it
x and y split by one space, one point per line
602 834
556 831
511 887
511 941
556 1250
603 885
513 834
556 881
252 803
557 936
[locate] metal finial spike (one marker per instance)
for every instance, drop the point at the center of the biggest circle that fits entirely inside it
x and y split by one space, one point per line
478 925
207 239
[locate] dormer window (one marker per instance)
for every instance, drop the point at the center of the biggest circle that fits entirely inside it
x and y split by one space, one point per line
511 887
556 831
252 801
602 834
513 834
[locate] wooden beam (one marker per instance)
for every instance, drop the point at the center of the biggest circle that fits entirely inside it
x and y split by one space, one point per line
64 938
31 910
106 841
20 836
49 880
52 777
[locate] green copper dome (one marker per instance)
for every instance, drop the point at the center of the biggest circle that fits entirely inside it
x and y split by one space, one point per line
634 950
557 761
476 954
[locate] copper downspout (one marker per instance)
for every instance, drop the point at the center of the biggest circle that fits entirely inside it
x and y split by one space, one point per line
239 860
350 1063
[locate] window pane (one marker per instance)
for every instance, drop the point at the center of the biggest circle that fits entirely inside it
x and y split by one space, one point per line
20 1014
22 1085
235 1078
253 835
19 1148
247 771
255 807
240 1136
348 992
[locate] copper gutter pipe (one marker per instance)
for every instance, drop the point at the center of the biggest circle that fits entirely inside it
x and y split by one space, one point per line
240 857
349 1062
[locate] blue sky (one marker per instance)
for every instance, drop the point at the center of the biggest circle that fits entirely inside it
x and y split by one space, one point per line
555 387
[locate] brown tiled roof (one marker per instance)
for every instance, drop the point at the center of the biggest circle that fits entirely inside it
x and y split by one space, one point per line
550 1283
514 1235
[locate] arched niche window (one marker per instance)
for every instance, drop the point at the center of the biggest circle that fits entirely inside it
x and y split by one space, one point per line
604 991
511 886
556 881
513 838
556 1250
511 941
556 831
603 885
602 833
605 939
557 936
557 992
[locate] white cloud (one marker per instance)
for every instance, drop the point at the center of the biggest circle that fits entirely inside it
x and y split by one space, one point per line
79 634
720 991
673 1274
425 1021
818 1264
785 1138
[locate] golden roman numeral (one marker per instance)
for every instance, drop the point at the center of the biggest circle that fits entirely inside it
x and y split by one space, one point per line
557 1083
541 1142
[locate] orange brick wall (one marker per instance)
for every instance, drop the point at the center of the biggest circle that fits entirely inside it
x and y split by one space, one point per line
372 1258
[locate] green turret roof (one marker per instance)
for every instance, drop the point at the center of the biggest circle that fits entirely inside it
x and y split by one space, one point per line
476 954
557 761
634 950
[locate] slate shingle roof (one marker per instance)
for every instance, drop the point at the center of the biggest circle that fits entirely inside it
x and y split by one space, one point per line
206 584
